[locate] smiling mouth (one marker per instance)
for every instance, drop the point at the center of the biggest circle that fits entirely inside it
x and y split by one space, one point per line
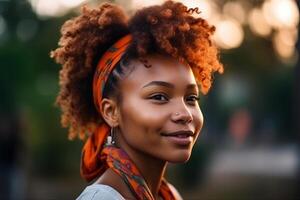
181 134
181 138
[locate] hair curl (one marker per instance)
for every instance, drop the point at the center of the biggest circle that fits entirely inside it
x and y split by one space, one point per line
168 29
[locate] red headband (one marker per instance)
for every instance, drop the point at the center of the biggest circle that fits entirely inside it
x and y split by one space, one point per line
92 165
105 66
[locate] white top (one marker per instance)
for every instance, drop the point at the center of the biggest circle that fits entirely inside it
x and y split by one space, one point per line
105 192
100 192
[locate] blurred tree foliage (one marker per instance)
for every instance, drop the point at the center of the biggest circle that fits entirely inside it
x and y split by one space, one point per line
29 80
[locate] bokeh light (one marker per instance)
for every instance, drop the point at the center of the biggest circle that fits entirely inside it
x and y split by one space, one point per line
272 15
281 13
235 10
283 16
229 34
54 8
284 43
136 4
258 24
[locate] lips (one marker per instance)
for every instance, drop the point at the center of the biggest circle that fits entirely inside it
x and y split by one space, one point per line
181 138
182 133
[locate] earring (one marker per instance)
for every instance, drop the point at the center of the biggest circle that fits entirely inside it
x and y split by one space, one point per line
110 137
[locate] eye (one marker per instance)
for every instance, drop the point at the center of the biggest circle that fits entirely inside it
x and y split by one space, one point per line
159 97
192 99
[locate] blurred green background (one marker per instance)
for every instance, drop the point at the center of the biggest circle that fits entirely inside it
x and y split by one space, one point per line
249 147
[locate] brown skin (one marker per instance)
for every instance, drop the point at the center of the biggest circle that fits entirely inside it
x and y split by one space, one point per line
147 112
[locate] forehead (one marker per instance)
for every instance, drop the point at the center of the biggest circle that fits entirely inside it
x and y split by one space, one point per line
160 68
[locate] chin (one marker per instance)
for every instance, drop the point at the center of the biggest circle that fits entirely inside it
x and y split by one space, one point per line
179 156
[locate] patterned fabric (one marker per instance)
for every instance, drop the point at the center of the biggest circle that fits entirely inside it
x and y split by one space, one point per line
119 161
97 157
106 65
91 165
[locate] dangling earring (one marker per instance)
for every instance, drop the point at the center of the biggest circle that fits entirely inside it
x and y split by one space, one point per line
110 137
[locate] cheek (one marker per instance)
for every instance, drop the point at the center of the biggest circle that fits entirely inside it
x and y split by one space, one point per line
198 120
140 116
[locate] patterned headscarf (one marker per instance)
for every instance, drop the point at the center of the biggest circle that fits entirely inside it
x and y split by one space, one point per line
91 165
96 156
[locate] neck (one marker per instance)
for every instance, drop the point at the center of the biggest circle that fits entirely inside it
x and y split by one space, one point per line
151 168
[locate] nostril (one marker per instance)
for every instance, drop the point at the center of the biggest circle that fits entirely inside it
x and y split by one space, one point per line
180 117
189 119
182 113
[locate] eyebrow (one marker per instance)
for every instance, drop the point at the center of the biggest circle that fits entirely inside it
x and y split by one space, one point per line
192 86
169 85
160 83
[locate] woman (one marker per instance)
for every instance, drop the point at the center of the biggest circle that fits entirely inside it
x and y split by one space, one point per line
132 85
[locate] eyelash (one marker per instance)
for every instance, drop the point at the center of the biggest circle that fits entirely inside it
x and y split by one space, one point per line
159 95
195 98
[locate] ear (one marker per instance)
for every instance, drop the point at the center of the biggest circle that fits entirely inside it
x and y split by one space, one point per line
109 111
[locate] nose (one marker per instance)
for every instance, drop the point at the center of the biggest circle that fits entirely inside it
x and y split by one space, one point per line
182 114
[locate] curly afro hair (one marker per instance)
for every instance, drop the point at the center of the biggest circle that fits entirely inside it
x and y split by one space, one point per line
168 29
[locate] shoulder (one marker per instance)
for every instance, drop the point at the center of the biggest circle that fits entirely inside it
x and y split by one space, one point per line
100 192
175 192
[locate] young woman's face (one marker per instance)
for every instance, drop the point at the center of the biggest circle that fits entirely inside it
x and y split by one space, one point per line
159 112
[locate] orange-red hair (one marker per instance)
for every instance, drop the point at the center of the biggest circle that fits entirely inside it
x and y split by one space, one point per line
168 29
